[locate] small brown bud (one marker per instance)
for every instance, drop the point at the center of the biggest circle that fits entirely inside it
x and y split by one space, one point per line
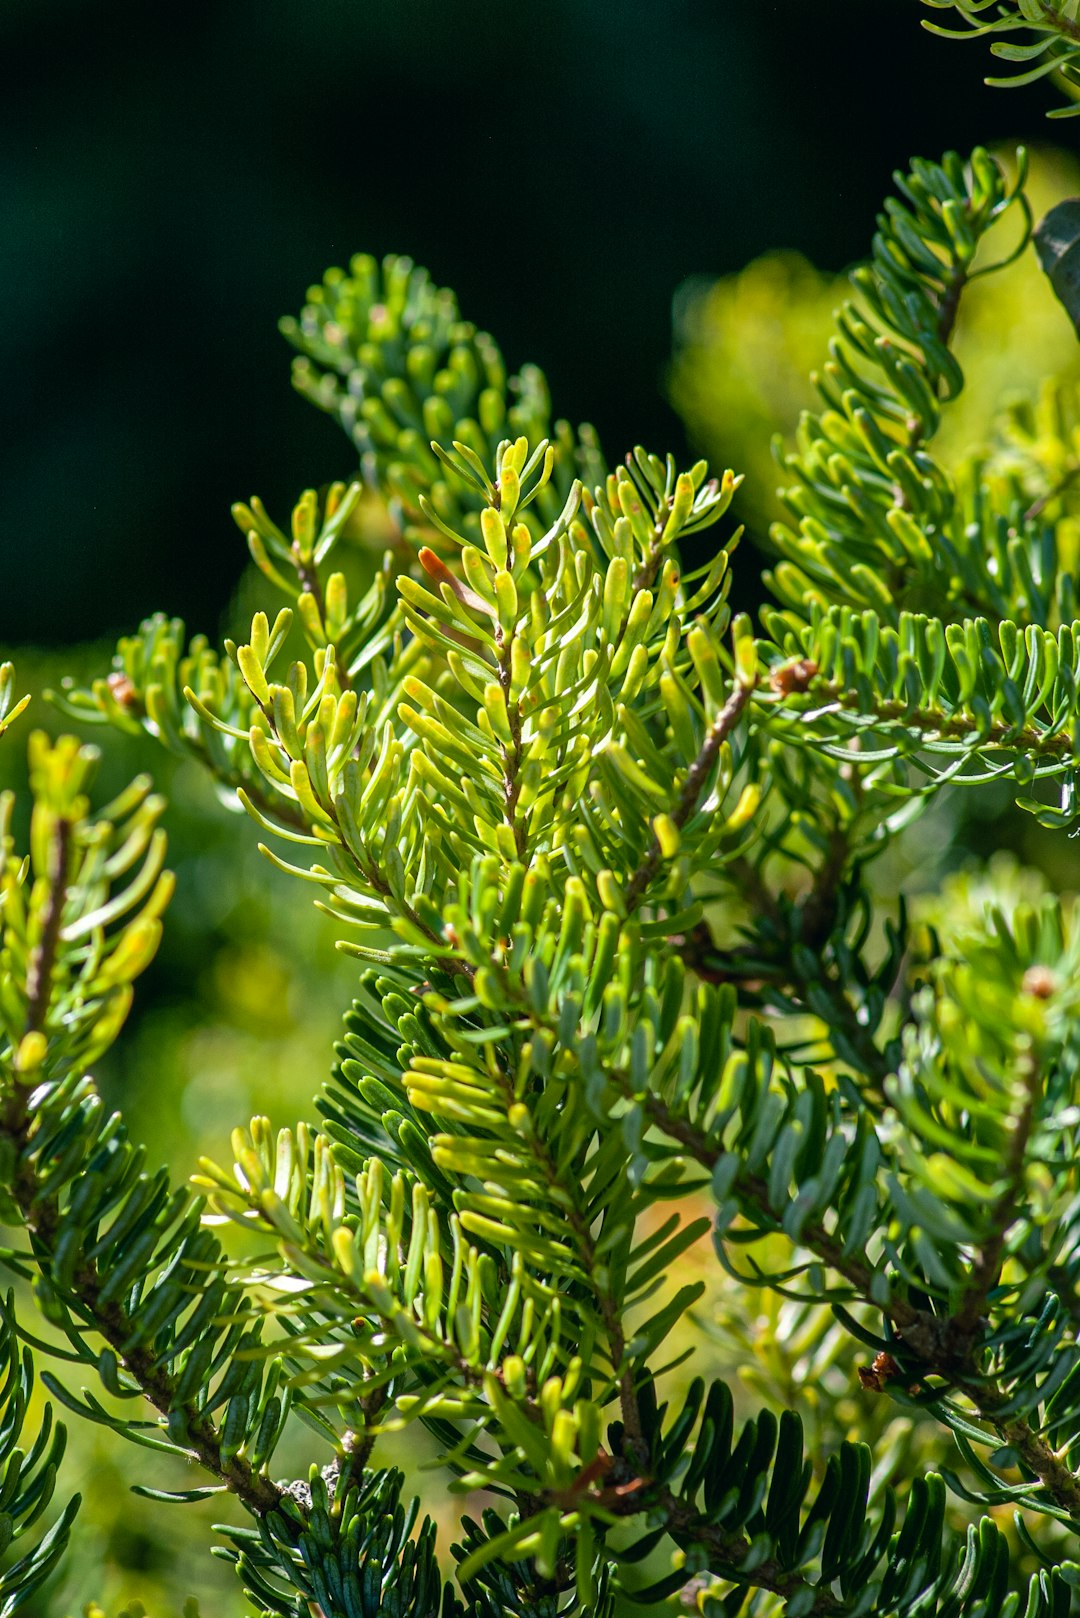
122 690
874 1377
1040 981
790 678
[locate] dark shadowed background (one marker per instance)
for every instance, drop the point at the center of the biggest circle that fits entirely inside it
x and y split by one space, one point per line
175 176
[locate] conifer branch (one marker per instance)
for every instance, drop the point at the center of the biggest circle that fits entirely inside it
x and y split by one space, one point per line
986 1267
512 751
39 1206
516 767
1055 17
807 923
939 724
694 784
1051 25
40 974
949 305
729 1551
610 1311
942 1345
202 1437
1059 1480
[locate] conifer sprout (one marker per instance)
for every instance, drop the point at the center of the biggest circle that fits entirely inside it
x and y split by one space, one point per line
624 990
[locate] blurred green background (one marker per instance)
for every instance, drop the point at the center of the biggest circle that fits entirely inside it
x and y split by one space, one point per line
175 176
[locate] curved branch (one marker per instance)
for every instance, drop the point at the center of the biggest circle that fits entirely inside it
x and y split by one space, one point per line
697 777
40 1208
943 1345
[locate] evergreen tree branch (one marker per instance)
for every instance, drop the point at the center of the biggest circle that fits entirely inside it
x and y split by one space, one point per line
985 702
378 346
931 725
39 1206
512 752
483 772
727 1552
30 1468
941 1344
875 519
986 1266
694 784
783 977
568 1194
40 975
202 1437
609 1305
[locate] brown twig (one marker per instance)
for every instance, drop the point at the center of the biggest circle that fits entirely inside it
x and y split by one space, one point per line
986 1269
1000 734
1037 507
41 1215
942 1344
1067 27
201 1437
39 977
512 754
697 777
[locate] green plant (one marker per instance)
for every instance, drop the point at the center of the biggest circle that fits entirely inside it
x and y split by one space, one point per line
748 347
607 865
1049 41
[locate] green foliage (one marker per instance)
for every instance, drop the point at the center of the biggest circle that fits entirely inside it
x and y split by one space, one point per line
1048 42
749 347
386 352
29 1476
878 523
135 1609
605 861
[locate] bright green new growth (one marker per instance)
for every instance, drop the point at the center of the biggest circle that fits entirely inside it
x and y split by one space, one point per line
603 860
